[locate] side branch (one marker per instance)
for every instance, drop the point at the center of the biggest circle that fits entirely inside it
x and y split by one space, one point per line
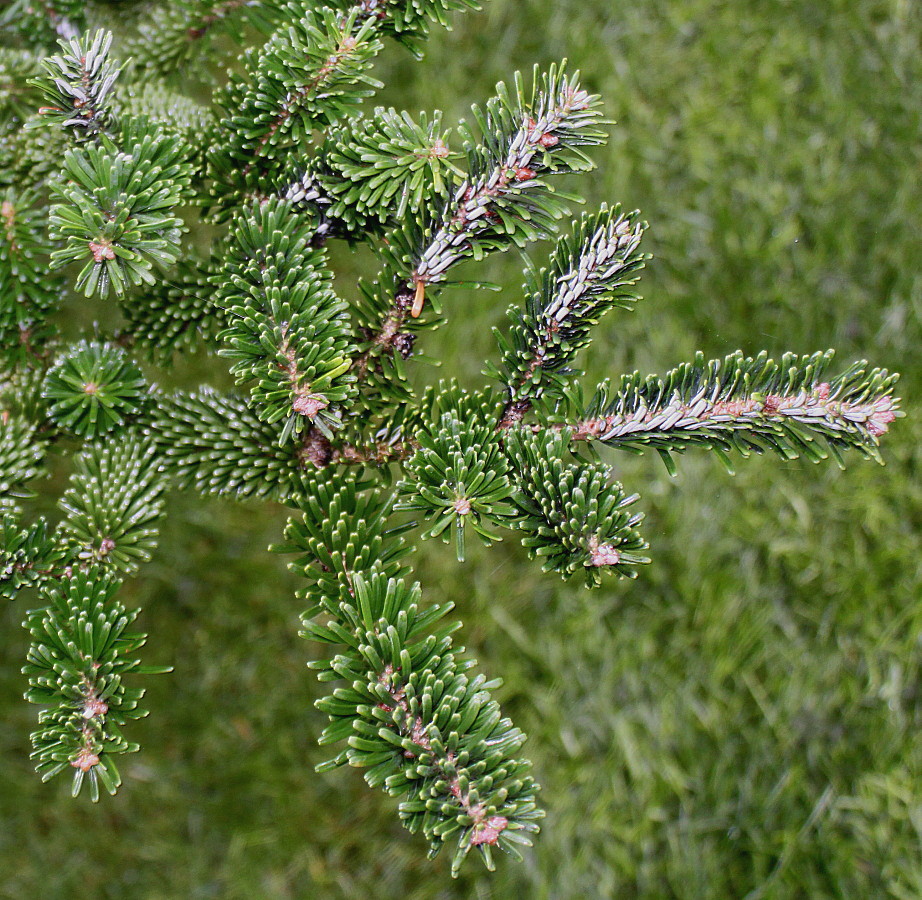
747 404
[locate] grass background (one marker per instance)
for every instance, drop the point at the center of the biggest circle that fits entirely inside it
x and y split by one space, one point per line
741 721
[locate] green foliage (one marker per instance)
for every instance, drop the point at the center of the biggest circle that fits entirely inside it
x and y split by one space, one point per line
27 555
287 331
216 444
174 315
21 455
116 212
16 95
748 404
388 166
176 36
77 85
408 22
28 292
81 653
575 519
113 504
40 23
307 76
284 161
94 388
343 530
458 478
588 274
422 728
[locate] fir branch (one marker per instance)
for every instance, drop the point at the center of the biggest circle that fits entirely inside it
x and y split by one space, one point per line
29 294
77 85
28 556
118 210
113 504
39 22
343 529
574 516
176 314
587 275
424 729
17 96
407 21
287 331
387 166
176 34
525 140
21 455
458 479
307 76
81 652
94 388
747 404
505 201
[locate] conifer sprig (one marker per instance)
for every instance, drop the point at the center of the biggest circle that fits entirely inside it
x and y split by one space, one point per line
93 388
283 163
424 729
216 444
407 20
117 211
17 96
78 84
388 166
522 139
39 24
82 650
176 35
589 273
457 479
575 518
176 314
747 404
309 75
505 200
288 333
29 292
21 454
28 556
114 504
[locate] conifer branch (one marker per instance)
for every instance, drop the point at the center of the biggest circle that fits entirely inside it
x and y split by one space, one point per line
81 652
117 211
216 444
28 556
114 504
747 404
94 388
77 85
175 314
287 331
458 479
504 201
261 179
423 728
21 455
29 292
41 21
587 276
575 518
307 76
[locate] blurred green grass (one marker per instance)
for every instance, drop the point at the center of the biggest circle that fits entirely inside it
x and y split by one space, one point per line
741 721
